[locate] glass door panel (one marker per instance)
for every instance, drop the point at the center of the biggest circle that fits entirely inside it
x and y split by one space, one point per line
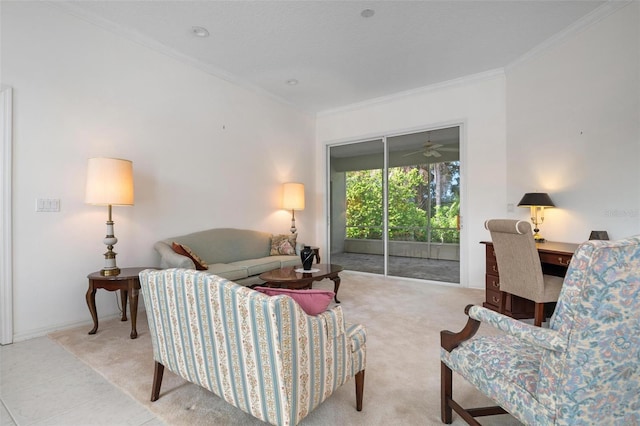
356 206
424 205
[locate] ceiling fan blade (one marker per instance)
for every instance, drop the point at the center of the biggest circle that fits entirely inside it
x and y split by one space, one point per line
413 153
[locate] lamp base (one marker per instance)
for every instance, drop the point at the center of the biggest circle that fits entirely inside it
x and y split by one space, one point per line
538 238
293 222
110 272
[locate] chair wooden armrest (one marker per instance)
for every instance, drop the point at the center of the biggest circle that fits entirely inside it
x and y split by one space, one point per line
450 340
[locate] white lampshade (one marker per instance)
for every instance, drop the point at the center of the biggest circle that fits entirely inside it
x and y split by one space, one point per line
293 196
109 182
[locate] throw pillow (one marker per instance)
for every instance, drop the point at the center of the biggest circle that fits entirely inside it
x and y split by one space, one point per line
283 244
313 302
184 250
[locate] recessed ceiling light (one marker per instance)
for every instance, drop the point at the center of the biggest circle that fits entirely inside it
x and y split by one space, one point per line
367 13
292 82
199 32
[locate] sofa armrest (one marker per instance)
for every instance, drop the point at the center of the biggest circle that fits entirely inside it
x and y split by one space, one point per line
171 259
537 336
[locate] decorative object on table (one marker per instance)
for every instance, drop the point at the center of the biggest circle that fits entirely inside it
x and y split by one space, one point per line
599 235
109 182
306 271
536 201
307 255
293 199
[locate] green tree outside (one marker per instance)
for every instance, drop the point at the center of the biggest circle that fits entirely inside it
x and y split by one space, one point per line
416 193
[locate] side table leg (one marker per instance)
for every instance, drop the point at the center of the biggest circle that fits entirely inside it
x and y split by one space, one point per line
133 306
336 286
123 302
91 303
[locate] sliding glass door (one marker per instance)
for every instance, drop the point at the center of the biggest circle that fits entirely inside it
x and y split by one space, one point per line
395 205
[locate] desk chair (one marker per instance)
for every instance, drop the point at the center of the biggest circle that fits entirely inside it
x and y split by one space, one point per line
519 266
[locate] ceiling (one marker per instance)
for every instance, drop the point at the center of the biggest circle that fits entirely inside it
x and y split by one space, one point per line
337 56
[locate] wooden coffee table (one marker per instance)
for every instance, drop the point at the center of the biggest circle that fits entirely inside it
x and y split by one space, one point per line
287 277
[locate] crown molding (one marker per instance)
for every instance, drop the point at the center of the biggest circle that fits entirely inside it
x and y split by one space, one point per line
473 78
587 21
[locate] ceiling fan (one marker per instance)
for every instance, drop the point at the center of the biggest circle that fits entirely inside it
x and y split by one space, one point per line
430 149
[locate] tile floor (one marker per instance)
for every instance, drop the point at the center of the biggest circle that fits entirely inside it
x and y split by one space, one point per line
43 384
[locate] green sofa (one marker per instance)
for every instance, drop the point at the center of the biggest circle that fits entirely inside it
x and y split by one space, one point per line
239 255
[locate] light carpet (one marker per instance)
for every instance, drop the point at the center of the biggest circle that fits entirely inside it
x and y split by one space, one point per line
402 383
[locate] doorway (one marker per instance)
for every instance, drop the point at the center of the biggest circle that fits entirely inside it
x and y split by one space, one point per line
394 205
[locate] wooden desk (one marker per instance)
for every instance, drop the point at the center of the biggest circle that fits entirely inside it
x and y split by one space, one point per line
554 257
127 282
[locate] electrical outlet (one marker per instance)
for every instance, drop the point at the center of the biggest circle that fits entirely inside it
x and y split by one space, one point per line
47 205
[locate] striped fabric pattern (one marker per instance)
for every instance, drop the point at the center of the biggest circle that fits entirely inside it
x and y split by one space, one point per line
262 354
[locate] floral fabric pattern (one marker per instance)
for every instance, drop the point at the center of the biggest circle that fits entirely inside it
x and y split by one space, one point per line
283 244
584 369
262 354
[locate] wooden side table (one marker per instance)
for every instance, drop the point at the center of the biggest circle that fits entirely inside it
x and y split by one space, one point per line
127 282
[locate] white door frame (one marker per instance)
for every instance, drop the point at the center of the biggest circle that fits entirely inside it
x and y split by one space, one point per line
6 252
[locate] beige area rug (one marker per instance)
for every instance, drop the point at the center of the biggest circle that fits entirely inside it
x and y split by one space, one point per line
402 382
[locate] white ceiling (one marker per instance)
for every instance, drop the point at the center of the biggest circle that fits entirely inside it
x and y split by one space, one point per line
338 56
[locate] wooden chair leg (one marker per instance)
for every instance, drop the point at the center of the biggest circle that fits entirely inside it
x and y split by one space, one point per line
359 389
539 314
157 381
446 393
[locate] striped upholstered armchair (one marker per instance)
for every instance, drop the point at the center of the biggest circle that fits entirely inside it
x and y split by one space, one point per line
582 370
262 354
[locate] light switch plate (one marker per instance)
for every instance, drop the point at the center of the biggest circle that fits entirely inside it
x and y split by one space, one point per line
47 205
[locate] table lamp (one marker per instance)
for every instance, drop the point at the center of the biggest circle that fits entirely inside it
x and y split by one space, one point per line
109 182
536 201
293 199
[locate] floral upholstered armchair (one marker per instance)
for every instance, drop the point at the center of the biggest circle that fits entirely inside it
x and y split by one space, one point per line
583 370
262 354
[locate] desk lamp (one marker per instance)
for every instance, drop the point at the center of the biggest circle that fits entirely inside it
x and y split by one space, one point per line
293 199
536 201
109 182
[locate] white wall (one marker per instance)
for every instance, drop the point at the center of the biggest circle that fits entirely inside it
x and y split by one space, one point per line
478 103
573 130
206 153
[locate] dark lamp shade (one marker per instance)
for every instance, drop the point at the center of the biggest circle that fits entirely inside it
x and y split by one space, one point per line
541 199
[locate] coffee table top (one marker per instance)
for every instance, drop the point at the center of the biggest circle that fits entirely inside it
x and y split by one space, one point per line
288 273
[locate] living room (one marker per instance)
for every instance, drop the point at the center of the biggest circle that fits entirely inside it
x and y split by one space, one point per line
210 153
